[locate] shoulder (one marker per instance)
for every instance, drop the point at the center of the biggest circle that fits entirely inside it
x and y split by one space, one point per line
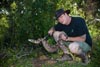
78 20
58 27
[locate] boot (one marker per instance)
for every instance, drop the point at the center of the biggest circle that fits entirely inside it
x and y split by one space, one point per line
84 59
65 57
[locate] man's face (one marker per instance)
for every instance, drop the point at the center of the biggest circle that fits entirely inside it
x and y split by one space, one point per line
63 19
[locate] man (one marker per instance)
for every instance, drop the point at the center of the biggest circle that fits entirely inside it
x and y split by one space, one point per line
78 38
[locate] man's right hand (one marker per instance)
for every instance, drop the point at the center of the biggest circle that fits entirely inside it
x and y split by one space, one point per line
51 31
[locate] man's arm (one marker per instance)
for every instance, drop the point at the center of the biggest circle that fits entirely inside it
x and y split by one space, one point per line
51 31
79 38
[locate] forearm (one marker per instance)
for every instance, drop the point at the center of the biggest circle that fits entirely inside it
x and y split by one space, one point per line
75 39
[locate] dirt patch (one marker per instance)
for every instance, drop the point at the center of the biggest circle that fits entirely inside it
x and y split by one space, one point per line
38 62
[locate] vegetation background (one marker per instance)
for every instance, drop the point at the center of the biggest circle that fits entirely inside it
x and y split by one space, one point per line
21 20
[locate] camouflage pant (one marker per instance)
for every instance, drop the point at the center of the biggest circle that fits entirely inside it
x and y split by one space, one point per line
76 47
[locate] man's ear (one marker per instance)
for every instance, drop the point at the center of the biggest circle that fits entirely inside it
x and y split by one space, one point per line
66 14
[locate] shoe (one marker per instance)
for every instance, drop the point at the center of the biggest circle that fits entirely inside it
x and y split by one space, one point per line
84 59
35 41
65 57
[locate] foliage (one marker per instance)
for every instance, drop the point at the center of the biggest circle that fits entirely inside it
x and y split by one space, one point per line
24 19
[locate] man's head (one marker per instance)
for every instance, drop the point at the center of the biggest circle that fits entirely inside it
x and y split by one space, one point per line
62 16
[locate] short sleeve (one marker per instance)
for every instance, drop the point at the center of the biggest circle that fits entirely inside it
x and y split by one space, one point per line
58 27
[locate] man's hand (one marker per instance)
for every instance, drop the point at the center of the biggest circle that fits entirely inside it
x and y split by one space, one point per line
63 37
51 31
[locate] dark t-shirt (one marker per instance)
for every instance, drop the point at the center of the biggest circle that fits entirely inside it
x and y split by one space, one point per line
77 27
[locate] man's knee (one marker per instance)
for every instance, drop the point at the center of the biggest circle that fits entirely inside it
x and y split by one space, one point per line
75 48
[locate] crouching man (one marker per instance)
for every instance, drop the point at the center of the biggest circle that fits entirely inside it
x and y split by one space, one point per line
79 39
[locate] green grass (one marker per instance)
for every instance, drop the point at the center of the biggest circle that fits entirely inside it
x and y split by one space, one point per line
27 61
